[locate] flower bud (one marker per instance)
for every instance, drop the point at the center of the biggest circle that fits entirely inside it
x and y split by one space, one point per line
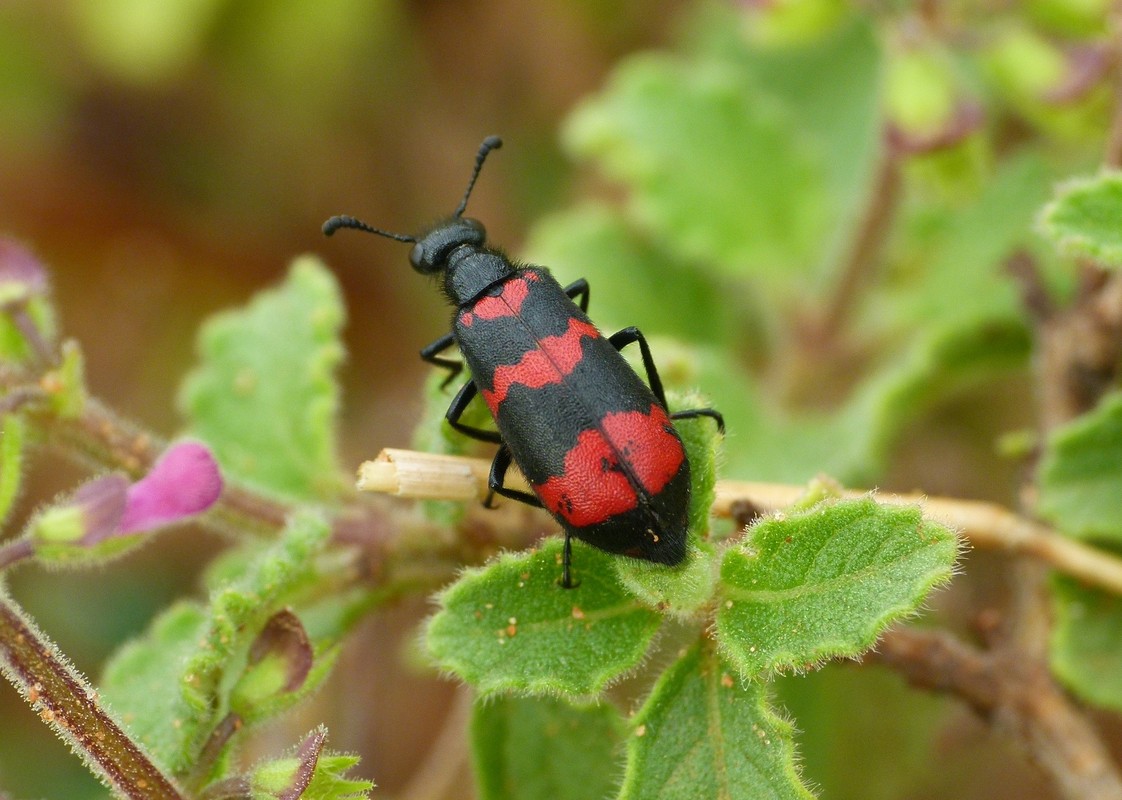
279 662
106 516
27 324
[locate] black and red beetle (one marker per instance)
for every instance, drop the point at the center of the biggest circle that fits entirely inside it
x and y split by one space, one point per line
594 441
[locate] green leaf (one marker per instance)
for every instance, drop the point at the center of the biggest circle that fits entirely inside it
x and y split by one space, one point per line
684 589
1080 476
13 344
543 748
1087 642
705 731
840 120
1085 219
68 382
824 582
145 43
510 626
141 685
718 171
951 268
172 685
949 359
265 397
13 434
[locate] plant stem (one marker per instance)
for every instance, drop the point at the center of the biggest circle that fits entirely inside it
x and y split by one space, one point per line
406 473
69 704
1018 696
861 258
15 551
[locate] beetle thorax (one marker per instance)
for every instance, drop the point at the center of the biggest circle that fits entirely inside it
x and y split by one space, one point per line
471 271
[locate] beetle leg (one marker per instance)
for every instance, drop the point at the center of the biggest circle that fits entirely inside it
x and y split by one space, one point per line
566 562
497 478
431 353
627 336
579 288
712 413
621 339
495 481
460 402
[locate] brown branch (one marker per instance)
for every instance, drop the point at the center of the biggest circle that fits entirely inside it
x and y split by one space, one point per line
861 257
1018 696
69 705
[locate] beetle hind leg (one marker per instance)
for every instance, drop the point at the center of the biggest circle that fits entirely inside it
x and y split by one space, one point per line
621 339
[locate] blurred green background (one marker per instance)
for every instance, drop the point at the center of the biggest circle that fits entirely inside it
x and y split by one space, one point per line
166 159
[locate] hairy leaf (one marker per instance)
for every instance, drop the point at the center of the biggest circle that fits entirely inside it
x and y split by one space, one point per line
170 686
264 396
824 582
1085 219
1087 642
716 166
543 748
705 731
1081 474
311 773
510 626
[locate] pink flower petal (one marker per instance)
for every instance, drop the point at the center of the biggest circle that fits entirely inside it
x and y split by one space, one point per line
185 481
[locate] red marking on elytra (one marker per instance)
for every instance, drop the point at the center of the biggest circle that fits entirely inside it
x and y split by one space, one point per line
595 486
507 303
553 359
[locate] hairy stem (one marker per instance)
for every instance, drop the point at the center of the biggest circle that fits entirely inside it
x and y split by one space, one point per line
14 552
69 704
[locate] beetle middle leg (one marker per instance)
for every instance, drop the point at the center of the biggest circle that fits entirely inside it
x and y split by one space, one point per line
456 410
431 354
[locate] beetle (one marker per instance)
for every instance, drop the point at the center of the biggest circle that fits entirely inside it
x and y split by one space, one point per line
595 443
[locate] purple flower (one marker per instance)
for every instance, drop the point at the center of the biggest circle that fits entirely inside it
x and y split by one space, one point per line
105 516
184 482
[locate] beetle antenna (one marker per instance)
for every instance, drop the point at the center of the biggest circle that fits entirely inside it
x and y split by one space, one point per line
344 221
489 144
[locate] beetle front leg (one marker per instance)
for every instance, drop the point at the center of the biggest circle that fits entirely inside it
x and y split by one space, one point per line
579 288
431 354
